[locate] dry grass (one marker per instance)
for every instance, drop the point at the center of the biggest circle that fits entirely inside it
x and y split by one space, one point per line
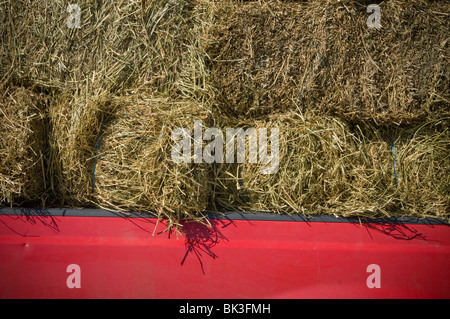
330 168
75 122
135 170
320 56
423 169
23 179
133 165
119 45
137 69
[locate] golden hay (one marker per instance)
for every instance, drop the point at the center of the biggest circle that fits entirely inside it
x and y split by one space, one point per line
119 44
135 170
135 70
23 119
320 56
327 167
75 123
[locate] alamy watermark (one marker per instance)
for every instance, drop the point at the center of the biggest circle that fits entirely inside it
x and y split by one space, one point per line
74 279
214 151
374 20
374 279
74 19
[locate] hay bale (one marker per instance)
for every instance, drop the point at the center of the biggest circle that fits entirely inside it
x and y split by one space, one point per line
118 45
76 122
132 168
119 48
320 57
23 132
423 156
136 69
135 169
328 167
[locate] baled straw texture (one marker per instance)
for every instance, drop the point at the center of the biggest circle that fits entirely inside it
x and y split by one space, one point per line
327 167
135 170
119 45
424 169
23 125
76 122
320 56
265 58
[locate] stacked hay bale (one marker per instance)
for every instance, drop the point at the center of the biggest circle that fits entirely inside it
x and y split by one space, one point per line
115 152
75 126
423 157
348 101
23 178
136 169
116 46
328 167
93 73
142 72
321 57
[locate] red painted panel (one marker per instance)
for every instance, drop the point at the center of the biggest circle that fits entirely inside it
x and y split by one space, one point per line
129 258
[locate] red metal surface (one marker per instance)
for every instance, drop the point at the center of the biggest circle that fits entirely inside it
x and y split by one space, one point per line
121 258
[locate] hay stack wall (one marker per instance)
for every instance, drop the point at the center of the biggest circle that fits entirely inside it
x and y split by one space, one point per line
23 151
321 57
338 91
119 49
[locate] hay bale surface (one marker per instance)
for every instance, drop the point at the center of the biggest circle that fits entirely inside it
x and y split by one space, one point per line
320 57
423 156
328 167
135 70
76 122
135 169
118 45
114 152
22 147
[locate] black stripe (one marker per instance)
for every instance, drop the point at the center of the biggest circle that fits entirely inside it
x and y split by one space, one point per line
226 215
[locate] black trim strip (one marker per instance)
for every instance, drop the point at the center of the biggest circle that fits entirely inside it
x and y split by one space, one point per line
327 218
226 215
